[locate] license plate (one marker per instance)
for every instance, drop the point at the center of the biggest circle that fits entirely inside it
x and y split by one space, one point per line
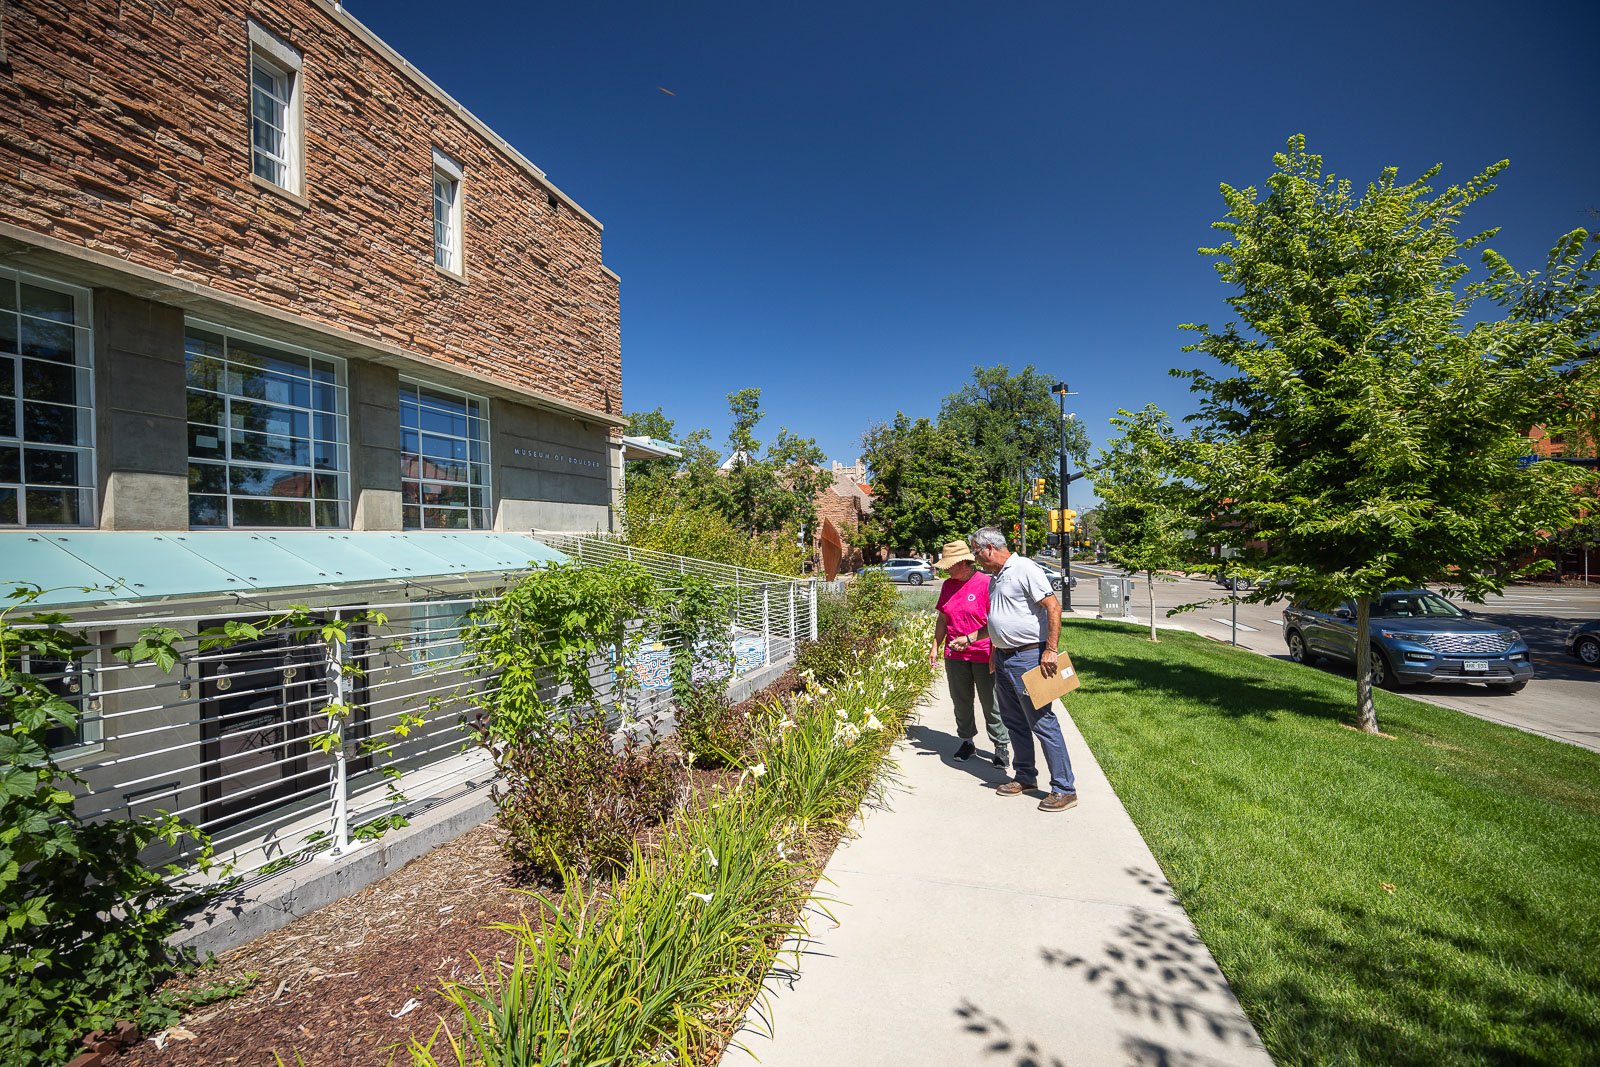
1475 665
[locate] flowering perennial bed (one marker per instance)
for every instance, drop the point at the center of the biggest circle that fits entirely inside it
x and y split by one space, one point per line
660 965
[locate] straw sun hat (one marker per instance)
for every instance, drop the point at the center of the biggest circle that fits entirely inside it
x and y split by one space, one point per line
954 553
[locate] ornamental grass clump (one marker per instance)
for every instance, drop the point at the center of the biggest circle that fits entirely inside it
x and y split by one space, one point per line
662 965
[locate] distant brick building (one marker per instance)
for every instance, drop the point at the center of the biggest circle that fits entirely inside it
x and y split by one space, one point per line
846 501
256 271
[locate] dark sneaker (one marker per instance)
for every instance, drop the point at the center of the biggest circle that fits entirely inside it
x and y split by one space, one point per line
1002 758
1059 802
967 750
1013 789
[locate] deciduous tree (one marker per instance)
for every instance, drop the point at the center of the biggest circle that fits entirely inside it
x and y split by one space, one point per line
1371 410
1144 512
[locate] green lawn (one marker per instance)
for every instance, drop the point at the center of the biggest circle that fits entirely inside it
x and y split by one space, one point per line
1432 899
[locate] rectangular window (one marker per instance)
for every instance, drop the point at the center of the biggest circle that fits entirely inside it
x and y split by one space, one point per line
436 633
268 434
275 110
74 682
446 213
46 404
444 459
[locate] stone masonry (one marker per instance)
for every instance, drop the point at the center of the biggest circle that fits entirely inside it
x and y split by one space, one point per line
124 130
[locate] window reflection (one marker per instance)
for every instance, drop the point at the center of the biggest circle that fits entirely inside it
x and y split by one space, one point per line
263 422
441 434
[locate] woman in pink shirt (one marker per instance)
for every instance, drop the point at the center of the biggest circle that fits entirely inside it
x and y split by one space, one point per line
963 608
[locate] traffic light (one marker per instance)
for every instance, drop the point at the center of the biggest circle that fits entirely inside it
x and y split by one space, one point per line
1055 520
1038 488
1016 529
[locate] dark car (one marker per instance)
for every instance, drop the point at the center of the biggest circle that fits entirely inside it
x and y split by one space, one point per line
1583 641
1416 636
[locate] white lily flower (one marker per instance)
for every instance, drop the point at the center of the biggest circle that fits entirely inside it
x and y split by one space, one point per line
704 898
758 770
711 857
873 723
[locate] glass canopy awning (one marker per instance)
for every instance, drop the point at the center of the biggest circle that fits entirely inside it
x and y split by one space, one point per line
96 566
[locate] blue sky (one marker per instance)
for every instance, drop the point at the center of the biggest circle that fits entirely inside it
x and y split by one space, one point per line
850 205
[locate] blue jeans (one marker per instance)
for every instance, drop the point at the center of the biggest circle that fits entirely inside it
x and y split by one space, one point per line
1024 723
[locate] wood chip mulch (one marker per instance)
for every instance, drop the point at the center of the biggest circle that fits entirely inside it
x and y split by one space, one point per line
350 984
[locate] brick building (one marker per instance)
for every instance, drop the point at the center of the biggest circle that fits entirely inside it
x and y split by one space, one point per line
846 500
280 323
256 271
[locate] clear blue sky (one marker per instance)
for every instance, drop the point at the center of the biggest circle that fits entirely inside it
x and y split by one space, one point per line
849 205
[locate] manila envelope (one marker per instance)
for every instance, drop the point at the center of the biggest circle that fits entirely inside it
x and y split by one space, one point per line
1042 690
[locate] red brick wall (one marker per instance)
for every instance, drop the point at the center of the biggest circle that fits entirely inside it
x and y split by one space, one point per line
124 128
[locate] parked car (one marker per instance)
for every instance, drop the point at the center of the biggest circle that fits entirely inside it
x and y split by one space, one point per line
1416 636
911 571
1583 641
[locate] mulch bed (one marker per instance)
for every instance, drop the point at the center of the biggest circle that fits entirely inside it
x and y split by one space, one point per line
333 987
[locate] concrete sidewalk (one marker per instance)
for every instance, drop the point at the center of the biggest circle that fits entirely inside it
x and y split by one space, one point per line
970 928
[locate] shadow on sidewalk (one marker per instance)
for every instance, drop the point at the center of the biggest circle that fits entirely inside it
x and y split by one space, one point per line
927 741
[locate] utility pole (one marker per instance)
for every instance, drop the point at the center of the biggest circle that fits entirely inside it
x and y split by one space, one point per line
1060 390
1022 516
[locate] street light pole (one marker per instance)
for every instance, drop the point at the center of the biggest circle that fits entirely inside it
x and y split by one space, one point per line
1060 389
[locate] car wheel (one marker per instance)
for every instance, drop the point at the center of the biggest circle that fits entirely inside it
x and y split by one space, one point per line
914 578
1587 649
1383 675
1297 647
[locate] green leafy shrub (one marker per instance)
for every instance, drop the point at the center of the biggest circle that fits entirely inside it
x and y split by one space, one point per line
850 627
556 645
65 967
719 733
573 803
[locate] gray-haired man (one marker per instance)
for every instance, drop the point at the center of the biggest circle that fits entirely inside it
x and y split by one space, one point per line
1024 627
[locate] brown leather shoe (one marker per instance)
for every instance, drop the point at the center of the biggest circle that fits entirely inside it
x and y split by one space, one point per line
1059 802
1013 789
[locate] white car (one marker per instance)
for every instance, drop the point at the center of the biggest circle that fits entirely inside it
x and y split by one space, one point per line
910 571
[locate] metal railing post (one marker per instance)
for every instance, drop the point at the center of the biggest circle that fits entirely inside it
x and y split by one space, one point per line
794 634
813 599
338 690
766 630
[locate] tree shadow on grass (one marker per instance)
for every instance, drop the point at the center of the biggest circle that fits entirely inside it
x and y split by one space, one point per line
1432 992
1228 687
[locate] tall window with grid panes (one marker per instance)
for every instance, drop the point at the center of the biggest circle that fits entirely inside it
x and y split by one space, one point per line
268 434
47 471
444 458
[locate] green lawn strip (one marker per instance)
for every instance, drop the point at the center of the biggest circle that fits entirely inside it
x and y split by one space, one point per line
1280 831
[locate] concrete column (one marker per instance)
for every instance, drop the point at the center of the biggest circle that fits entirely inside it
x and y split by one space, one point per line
374 446
141 414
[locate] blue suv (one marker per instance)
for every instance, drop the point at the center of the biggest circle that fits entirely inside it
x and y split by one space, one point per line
1416 636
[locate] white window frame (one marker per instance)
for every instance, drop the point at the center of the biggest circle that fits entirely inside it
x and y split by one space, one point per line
485 444
283 63
87 485
447 239
340 442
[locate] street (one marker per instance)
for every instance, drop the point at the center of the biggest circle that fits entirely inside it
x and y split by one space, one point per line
1563 701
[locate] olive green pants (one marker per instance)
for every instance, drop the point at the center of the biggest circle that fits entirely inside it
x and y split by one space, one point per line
963 677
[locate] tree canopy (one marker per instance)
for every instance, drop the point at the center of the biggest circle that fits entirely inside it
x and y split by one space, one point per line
1373 403
934 480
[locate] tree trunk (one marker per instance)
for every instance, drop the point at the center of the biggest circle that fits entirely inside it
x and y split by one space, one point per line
1366 715
1150 587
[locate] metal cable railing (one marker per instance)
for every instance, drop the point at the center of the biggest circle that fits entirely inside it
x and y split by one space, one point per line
225 739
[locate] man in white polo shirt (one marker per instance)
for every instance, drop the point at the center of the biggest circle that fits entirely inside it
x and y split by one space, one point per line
1023 629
